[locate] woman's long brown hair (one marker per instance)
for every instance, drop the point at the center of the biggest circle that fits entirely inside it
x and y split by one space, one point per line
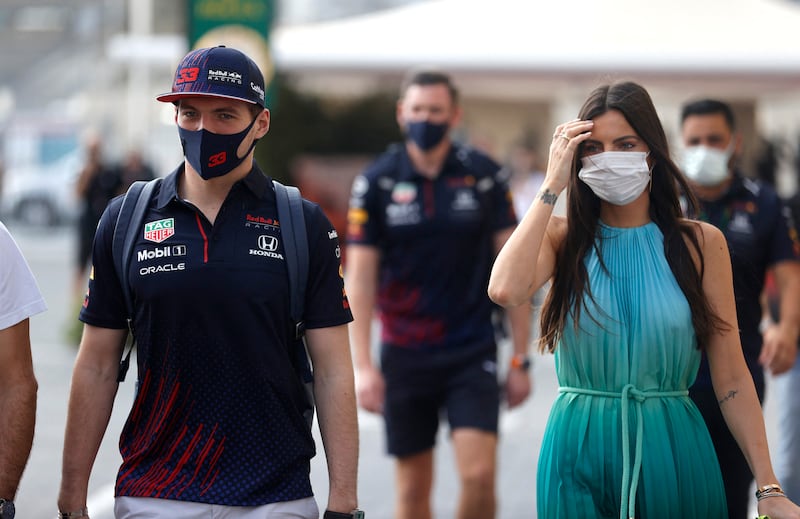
566 295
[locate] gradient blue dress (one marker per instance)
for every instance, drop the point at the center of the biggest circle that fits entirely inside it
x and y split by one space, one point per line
623 438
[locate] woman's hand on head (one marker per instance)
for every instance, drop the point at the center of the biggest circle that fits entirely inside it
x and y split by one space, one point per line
566 140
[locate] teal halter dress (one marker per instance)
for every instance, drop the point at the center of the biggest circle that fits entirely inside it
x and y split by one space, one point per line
623 438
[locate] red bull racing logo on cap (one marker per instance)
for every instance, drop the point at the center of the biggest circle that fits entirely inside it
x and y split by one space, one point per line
159 230
224 76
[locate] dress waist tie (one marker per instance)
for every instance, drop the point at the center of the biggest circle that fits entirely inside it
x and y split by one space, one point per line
630 478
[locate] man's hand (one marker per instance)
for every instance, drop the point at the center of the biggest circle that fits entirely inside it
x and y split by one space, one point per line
370 389
518 386
778 352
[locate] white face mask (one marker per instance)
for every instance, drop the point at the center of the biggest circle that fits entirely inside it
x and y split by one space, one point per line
706 166
618 177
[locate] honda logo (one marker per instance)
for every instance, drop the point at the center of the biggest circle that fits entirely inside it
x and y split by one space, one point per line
268 243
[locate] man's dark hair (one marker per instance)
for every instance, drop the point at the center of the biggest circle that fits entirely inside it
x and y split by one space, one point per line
427 78
709 107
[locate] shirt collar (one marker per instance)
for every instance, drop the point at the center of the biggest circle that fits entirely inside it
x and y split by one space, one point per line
407 171
256 182
734 190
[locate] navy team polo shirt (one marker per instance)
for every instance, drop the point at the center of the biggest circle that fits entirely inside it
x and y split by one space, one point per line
218 413
436 242
759 235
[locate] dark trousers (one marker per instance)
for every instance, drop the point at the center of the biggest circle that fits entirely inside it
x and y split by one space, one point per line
736 473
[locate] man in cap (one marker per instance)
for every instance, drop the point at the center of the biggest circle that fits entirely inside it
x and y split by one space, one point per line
217 427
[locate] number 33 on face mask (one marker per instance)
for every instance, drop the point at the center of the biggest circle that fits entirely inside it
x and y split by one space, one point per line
618 177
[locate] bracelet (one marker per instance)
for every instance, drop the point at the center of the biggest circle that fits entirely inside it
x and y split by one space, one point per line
771 490
83 512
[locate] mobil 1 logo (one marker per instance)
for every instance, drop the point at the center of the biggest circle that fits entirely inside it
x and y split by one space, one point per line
167 251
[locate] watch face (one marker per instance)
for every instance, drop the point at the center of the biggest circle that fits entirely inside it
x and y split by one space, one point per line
358 514
6 509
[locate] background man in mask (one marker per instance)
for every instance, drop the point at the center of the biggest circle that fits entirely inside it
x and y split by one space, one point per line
426 220
218 425
760 236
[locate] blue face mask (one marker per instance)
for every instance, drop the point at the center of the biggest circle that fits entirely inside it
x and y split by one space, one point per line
425 134
212 154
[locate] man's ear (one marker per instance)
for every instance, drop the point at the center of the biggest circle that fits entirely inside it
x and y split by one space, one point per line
262 123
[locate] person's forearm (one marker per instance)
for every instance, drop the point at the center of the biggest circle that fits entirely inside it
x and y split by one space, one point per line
513 276
17 419
361 304
520 319
361 281
789 322
743 415
90 403
338 423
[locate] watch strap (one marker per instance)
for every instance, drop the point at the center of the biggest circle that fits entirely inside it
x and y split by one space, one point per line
355 514
522 362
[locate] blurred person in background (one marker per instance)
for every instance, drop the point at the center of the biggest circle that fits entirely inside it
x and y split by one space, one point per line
425 222
98 182
219 426
20 299
638 292
760 236
133 168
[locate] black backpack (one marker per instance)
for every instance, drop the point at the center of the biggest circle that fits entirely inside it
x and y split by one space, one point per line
295 244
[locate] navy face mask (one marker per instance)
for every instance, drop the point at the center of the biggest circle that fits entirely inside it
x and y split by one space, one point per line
212 154
425 134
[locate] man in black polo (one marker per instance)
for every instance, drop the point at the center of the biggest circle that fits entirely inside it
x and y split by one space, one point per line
760 237
218 426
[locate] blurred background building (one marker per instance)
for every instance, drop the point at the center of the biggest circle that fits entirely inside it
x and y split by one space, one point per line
75 66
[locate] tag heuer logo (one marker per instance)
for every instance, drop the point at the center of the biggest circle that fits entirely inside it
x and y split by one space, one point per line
159 230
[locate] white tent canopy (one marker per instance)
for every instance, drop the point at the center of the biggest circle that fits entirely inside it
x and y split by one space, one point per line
705 37
530 63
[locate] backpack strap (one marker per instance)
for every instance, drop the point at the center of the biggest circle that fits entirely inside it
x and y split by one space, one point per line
126 229
295 248
295 245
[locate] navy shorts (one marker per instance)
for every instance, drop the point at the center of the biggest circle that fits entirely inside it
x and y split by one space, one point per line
422 385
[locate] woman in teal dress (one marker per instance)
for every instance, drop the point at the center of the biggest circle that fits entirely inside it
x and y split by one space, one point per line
637 293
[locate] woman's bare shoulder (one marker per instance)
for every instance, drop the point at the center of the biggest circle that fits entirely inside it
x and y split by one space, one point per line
706 233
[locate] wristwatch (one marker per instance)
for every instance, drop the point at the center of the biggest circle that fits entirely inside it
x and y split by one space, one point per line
355 514
522 362
6 509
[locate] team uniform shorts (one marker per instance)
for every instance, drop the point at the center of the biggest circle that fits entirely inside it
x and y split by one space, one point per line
143 507
422 385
